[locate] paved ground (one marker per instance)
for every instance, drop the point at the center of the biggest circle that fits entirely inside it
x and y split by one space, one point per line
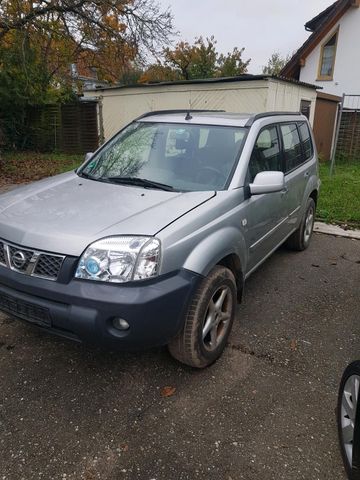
8 187
264 411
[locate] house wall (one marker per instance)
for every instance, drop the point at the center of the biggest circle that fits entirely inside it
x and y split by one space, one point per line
347 62
120 106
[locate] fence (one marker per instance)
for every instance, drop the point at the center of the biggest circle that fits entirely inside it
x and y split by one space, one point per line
69 128
348 145
347 138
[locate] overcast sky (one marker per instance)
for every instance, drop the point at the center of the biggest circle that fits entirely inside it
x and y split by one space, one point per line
261 26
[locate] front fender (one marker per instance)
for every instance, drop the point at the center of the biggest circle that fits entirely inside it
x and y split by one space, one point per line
214 248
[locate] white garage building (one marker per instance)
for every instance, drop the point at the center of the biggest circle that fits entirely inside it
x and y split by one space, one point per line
117 106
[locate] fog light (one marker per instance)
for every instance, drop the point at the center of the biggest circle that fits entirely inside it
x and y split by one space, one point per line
121 324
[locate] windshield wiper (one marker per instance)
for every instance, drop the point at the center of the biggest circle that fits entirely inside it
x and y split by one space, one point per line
140 182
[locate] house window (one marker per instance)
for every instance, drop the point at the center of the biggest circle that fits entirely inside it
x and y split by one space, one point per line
327 58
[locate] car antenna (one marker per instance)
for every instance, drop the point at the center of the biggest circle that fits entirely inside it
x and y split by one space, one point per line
188 115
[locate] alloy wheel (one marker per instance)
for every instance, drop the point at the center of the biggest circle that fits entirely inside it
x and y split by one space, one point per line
217 318
309 224
348 413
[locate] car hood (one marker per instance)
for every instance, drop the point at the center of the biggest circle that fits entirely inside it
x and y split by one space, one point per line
66 213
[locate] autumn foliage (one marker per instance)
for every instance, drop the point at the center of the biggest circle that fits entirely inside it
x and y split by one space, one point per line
105 34
193 61
41 41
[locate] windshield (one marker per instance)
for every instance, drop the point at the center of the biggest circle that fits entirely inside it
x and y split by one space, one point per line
178 156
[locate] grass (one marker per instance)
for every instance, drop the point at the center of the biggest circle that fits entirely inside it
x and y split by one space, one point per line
339 200
23 167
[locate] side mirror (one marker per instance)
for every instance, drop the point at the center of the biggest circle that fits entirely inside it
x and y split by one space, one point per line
267 182
88 156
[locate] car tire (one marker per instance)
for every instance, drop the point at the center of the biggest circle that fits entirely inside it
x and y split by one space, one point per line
346 413
208 321
300 239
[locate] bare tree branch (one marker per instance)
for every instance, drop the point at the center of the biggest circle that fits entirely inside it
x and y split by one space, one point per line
140 22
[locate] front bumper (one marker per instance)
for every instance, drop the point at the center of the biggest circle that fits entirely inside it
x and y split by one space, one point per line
84 310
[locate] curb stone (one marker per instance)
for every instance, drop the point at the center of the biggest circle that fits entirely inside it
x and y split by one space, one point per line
335 230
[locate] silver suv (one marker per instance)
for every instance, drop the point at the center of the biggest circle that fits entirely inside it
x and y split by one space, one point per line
151 240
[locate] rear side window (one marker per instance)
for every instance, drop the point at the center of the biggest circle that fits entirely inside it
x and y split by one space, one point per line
292 146
266 155
306 141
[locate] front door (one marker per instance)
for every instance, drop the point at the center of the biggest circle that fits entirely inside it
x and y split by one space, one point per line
265 214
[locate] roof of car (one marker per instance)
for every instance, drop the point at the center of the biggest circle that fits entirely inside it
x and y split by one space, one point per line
211 117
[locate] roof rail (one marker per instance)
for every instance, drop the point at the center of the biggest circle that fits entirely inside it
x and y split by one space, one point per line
259 116
184 111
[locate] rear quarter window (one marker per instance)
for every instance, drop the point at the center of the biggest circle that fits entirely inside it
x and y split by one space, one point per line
306 141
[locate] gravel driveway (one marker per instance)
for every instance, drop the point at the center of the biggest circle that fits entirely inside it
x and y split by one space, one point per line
264 411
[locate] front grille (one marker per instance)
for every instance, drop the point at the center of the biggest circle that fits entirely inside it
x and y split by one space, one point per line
27 311
24 255
2 254
30 262
48 266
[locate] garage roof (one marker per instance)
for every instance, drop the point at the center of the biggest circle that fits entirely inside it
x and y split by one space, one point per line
241 78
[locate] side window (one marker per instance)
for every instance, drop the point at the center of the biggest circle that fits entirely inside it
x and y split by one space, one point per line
292 146
266 155
306 141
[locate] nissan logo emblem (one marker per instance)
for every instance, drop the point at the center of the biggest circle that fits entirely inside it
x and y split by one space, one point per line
18 259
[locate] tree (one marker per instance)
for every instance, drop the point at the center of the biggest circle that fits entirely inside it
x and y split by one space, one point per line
40 41
180 59
24 82
199 60
232 64
107 34
275 64
159 73
204 58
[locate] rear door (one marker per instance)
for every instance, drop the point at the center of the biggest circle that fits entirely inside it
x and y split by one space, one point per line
298 151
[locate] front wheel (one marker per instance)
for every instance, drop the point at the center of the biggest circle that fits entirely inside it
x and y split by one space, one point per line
208 321
300 239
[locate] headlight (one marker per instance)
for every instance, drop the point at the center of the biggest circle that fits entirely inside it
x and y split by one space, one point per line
120 259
